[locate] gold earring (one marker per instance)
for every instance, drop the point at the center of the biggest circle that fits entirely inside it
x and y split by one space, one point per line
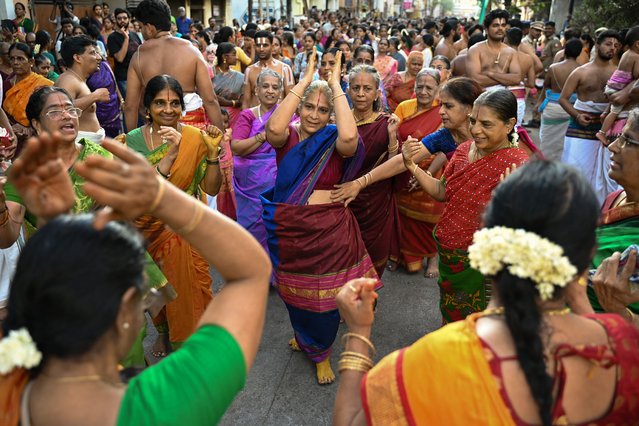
126 325
147 116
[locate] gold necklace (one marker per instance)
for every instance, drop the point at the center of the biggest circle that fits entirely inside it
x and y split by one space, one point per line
551 312
360 120
496 62
77 75
83 378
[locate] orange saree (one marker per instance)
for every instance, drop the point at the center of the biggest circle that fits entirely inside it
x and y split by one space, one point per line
419 212
425 382
182 265
17 97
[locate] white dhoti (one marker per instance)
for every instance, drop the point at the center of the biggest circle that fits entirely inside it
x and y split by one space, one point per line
554 123
584 151
520 94
8 262
96 137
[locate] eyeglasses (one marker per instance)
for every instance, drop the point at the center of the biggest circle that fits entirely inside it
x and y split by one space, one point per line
625 140
57 114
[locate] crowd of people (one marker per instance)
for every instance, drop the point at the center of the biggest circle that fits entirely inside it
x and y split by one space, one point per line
311 159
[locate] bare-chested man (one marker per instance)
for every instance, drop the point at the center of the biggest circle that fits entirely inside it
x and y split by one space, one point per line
162 53
450 34
82 58
582 149
554 119
526 68
264 51
458 65
492 63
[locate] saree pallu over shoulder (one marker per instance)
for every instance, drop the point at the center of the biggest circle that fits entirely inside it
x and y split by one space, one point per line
17 97
399 389
469 188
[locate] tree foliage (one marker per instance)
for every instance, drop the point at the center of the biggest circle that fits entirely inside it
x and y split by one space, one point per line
610 13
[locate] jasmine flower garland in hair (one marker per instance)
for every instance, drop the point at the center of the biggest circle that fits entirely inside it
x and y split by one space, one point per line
514 139
18 350
526 254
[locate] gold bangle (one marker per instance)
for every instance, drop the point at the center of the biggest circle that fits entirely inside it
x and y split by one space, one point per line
213 161
295 93
158 195
194 222
352 365
428 173
355 356
360 337
394 147
414 171
632 314
360 183
338 96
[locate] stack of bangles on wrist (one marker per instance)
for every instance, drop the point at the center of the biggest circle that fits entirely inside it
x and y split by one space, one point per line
338 96
295 93
394 147
5 216
355 361
367 180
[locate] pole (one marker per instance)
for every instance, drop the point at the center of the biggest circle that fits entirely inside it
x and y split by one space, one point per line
484 6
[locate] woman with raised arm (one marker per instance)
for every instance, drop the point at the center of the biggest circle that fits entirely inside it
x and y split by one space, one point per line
375 208
73 353
315 244
526 359
253 160
189 159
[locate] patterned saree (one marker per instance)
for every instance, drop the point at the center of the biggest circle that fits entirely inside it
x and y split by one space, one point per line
315 249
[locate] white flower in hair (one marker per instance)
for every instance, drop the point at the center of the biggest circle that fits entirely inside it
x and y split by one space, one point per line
526 254
514 139
18 350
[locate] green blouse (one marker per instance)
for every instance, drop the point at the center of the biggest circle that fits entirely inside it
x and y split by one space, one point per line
193 386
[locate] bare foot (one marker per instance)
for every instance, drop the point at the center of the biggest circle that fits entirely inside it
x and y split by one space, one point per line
432 271
325 375
392 266
293 345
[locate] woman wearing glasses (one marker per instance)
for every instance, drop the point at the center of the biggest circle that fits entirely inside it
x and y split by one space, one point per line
51 110
619 227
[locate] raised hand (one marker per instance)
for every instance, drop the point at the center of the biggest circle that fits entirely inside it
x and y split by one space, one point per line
212 138
393 124
41 179
508 172
335 75
171 136
310 67
127 184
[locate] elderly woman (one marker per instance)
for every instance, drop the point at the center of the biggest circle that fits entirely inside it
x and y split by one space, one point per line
189 159
619 227
253 160
315 245
18 89
457 98
74 352
466 186
441 64
526 359
401 85
375 208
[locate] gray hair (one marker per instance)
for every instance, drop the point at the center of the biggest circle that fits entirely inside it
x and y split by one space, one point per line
430 72
269 73
633 119
322 86
359 69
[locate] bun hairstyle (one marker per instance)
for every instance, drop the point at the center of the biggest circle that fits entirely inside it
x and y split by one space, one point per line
554 201
66 302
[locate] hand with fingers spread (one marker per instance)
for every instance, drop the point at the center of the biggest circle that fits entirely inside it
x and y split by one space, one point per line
126 184
346 192
612 286
41 179
356 303
508 172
